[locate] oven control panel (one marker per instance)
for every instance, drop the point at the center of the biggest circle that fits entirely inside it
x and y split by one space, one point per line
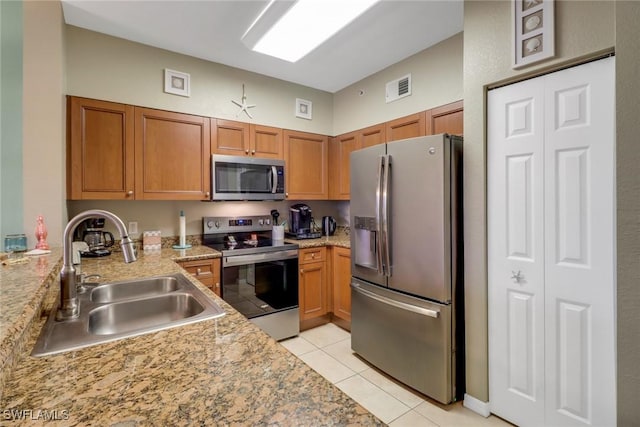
224 224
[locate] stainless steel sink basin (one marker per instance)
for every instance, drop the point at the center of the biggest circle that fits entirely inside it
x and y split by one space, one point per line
125 309
139 288
127 316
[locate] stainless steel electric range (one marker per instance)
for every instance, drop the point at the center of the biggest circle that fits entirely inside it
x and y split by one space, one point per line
259 275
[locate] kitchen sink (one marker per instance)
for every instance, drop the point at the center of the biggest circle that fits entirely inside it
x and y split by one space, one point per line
123 317
126 309
119 291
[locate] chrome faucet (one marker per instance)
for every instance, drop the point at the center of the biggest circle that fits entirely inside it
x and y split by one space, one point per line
69 308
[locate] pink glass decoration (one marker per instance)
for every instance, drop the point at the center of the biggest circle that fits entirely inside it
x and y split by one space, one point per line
41 234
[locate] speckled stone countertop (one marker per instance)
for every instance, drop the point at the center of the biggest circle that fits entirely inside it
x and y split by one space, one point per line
217 372
338 240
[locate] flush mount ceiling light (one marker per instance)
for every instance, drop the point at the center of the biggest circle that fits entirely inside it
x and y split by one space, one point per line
290 30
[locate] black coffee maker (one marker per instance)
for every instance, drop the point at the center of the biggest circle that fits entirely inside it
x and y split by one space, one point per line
301 222
98 241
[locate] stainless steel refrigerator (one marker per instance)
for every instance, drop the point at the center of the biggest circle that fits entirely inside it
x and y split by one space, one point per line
406 262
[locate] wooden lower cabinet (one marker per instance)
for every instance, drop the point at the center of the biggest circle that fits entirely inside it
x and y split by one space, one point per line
207 271
341 281
312 287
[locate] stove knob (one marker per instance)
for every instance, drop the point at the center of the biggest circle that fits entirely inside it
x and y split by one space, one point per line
209 224
217 224
261 221
267 221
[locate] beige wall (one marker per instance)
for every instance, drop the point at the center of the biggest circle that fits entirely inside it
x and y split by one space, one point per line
628 210
44 119
582 28
105 67
436 75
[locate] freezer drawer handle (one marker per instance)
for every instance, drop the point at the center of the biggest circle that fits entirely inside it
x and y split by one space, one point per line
398 304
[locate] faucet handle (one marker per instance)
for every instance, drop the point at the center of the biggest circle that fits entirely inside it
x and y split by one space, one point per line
81 285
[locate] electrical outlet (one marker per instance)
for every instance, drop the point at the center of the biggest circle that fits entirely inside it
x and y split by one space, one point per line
133 227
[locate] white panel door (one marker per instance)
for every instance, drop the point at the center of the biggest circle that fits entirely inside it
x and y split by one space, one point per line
516 252
579 245
551 189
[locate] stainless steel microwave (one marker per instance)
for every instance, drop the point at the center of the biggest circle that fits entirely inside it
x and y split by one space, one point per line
246 178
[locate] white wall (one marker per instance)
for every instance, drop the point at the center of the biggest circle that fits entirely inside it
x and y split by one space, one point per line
44 119
113 69
436 75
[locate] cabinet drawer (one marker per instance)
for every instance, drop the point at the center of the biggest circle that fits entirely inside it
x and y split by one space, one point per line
312 255
206 271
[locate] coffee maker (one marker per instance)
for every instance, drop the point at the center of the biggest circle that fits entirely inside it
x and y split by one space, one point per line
301 224
98 241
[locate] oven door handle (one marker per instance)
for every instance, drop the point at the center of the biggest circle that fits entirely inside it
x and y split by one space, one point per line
234 260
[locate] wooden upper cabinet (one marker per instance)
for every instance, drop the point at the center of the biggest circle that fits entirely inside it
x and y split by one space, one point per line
173 153
407 127
339 165
448 119
244 139
372 135
100 150
306 158
229 137
265 141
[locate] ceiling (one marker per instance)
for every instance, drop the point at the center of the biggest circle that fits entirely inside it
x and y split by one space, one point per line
388 32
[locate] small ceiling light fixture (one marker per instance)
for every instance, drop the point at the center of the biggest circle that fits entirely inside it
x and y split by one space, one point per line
290 30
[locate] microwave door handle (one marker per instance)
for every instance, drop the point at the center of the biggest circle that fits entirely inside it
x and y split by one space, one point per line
378 232
386 238
274 179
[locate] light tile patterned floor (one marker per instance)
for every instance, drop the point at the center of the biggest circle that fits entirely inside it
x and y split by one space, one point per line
327 350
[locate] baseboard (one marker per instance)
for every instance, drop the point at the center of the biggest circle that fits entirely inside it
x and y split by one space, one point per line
476 405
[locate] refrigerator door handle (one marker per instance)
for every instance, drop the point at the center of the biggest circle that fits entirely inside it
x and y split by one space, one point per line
386 238
402 305
381 169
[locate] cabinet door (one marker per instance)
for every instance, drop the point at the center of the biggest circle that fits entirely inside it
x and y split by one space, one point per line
372 135
172 156
407 127
312 290
341 262
265 141
341 148
207 271
100 150
229 137
306 160
447 119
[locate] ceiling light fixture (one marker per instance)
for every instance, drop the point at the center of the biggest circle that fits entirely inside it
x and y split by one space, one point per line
290 30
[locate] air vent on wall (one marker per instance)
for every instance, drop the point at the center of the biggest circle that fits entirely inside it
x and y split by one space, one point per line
398 88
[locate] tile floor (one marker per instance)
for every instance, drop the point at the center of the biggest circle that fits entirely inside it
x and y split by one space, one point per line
327 350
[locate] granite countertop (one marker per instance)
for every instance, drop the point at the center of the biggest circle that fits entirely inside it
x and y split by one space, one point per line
222 371
337 240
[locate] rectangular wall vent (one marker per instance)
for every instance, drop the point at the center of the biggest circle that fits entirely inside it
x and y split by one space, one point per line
398 88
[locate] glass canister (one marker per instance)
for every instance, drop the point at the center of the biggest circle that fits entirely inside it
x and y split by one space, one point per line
15 243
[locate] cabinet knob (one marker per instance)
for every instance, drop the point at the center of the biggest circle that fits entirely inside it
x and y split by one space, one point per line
130 193
217 285
206 194
302 271
198 271
246 151
286 194
253 152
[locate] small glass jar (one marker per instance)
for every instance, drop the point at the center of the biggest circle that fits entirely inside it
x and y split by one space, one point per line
15 243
